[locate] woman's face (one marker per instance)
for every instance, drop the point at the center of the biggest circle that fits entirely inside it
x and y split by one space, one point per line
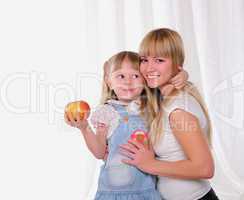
156 70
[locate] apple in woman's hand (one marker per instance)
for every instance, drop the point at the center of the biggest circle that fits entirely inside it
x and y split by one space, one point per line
140 136
78 107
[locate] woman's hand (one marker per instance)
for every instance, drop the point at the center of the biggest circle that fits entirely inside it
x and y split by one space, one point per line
140 155
179 81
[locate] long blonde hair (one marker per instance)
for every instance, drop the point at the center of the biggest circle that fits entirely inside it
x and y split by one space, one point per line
167 43
115 63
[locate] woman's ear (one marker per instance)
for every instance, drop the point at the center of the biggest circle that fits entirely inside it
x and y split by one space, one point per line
180 68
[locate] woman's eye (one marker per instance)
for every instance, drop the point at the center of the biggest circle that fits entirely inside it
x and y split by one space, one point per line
159 60
143 60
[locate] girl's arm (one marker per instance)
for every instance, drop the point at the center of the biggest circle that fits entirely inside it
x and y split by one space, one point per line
96 143
199 163
179 80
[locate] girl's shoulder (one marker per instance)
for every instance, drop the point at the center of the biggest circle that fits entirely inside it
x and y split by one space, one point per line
104 113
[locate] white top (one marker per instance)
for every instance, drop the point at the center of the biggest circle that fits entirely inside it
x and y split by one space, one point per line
107 115
168 149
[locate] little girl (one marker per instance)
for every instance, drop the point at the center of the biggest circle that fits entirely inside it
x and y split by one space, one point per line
125 108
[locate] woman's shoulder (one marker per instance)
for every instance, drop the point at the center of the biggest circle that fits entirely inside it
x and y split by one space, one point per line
182 100
186 102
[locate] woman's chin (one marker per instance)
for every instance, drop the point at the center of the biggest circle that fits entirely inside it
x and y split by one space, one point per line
153 84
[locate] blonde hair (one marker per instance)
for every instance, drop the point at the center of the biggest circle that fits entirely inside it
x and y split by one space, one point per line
115 63
167 43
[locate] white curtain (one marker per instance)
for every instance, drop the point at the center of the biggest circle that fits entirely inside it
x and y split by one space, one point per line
52 52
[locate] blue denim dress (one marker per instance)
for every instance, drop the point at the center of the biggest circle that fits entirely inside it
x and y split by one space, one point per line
119 181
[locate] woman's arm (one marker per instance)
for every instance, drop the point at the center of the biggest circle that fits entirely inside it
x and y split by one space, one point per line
199 163
96 143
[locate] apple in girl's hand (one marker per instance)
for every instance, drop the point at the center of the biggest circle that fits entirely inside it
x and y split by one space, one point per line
78 107
140 136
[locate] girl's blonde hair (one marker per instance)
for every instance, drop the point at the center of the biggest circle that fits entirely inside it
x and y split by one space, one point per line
167 43
114 64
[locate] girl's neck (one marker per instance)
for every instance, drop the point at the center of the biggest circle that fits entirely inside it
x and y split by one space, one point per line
126 102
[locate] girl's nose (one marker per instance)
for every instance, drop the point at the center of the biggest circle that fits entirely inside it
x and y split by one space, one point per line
128 80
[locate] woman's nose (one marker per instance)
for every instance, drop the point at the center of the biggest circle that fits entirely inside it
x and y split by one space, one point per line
150 66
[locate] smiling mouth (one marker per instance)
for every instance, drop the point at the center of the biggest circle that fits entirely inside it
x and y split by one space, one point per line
152 76
128 90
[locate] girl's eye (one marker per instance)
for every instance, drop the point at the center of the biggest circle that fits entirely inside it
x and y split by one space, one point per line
135 76
121 76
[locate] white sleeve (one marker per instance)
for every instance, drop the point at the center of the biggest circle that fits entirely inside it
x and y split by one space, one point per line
189 104
107 115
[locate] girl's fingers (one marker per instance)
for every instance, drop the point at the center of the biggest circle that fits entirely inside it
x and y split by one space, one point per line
86 115
78 119
177 83
180 68
180 86
71 119
174 79
67 119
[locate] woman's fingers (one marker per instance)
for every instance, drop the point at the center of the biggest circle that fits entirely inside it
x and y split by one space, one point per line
129 147
127 154
136 144
128 161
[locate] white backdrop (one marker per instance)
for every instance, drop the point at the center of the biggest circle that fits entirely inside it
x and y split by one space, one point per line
51 52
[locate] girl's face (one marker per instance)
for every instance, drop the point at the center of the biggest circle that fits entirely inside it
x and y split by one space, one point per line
156 70
126 82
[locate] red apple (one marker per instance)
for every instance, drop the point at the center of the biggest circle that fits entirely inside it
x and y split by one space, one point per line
140 136
78 107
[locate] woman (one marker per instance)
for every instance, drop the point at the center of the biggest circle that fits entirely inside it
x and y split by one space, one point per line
180 131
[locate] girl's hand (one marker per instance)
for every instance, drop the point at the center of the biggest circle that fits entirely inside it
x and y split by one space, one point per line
179 81
140 155
79 123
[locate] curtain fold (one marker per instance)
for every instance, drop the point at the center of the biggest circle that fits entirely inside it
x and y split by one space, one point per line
212 33
52 52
